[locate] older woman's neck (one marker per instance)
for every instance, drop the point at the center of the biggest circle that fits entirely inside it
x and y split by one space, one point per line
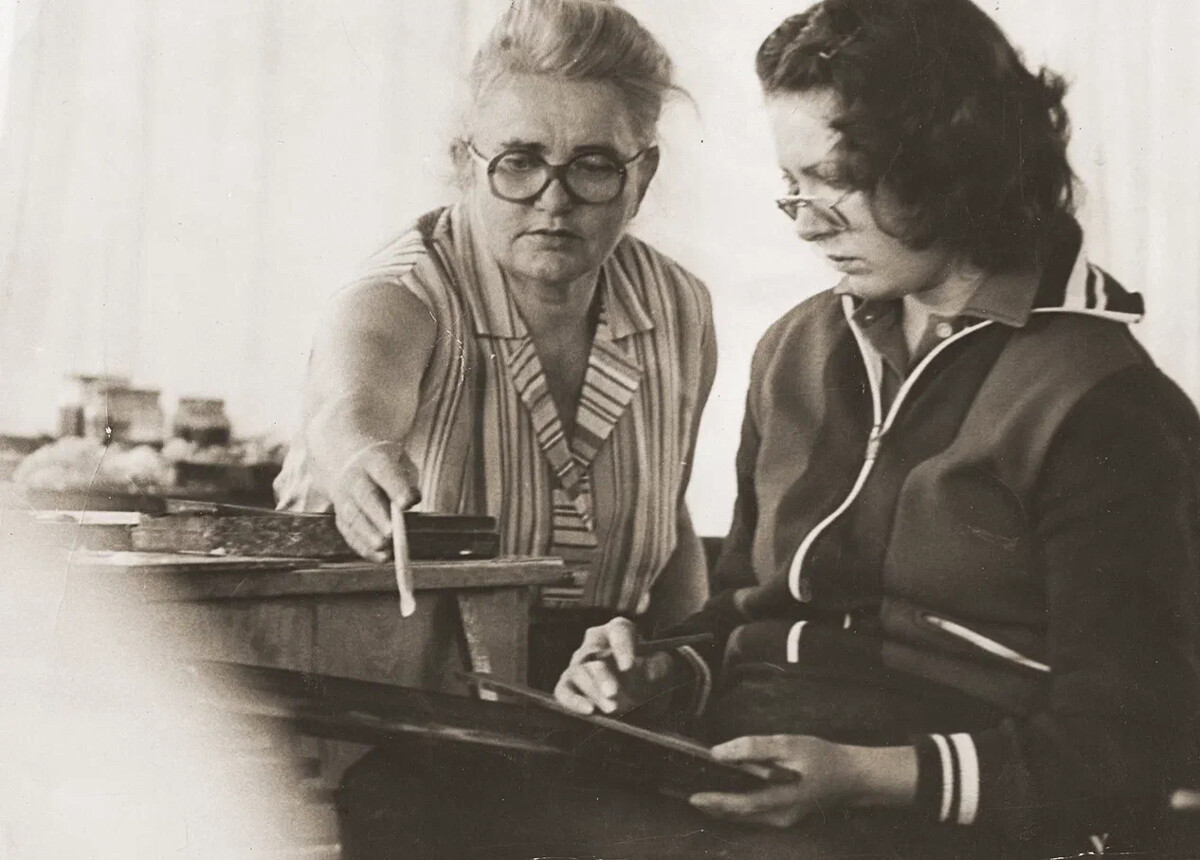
549 306
561 324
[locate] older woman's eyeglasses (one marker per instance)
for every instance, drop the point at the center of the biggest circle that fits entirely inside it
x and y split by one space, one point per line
827 211
520 175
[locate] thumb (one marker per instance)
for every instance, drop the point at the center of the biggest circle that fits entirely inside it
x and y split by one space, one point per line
394 473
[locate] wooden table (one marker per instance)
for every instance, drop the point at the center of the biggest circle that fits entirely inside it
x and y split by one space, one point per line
332 618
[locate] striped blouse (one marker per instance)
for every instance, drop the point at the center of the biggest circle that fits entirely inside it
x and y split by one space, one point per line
487 438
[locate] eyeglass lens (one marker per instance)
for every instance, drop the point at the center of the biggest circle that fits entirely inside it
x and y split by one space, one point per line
589 178
791 207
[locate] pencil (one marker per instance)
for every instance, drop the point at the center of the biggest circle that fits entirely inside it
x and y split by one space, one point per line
404 583
649 646
646 647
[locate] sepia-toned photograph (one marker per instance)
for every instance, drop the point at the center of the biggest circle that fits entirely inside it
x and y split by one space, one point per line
599 429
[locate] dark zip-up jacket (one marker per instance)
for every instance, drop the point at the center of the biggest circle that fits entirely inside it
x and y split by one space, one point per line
1001 567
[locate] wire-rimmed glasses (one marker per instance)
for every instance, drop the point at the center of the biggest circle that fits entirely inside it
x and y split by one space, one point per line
828 211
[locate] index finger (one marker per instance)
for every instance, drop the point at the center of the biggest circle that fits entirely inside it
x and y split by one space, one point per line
752 748
616 640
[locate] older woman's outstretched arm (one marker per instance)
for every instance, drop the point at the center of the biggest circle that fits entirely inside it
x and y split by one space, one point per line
361 396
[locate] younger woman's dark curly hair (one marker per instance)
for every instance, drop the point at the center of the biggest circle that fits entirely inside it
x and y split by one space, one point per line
937 109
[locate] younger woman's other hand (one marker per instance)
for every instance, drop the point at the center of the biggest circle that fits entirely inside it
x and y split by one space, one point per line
829 775
607 675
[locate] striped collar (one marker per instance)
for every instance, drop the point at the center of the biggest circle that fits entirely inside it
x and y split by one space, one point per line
496 314
1091 291
612 379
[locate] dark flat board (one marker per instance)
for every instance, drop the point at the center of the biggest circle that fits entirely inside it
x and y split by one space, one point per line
680 764
344 709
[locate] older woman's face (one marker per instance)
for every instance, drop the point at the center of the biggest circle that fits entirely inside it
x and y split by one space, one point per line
553 239
876 265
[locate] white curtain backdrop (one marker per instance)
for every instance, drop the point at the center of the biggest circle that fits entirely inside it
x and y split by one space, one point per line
184 182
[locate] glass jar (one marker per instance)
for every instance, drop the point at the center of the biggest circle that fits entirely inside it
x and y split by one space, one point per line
202 421
142 414
94 394
131 416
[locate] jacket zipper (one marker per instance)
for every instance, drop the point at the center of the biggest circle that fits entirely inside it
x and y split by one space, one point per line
879 429
985 643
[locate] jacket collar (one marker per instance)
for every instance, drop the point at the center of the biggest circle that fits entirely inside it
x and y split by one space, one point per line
1004 298
1064 282
485 287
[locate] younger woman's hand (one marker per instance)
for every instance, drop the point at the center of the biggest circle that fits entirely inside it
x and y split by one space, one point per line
606 673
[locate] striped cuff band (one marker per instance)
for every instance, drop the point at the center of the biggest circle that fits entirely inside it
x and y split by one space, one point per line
793 642
703 686
948 778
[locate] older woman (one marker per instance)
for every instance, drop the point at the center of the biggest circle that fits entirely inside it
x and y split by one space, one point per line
518 354
962 575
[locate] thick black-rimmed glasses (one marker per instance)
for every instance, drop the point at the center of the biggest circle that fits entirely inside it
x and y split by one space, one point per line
826 210
520 176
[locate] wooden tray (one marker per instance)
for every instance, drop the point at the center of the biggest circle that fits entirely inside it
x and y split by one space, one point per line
314 536
94 500
157 500
91 530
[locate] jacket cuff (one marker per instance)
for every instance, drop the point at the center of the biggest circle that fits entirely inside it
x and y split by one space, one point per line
948 778
702 681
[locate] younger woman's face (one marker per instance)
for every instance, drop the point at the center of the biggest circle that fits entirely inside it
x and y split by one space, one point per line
876 265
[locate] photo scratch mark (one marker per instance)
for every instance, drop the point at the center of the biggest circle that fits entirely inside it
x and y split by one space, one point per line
78 536
350 42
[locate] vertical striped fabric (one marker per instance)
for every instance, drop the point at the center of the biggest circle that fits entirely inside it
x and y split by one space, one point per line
487 438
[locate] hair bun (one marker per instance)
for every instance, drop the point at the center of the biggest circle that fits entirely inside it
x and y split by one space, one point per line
587 40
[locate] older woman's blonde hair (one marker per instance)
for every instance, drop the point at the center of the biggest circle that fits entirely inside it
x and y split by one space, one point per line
585 40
